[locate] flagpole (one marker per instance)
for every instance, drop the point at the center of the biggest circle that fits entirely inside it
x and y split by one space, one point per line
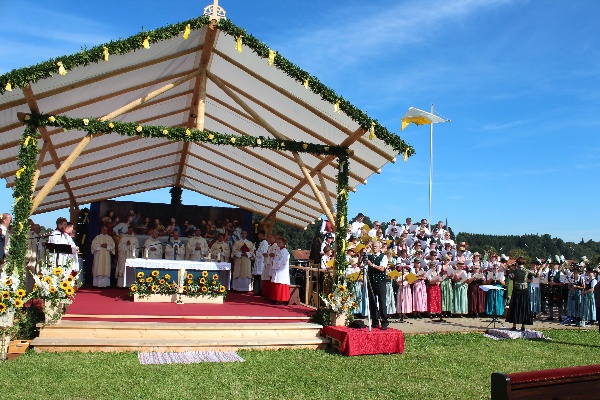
430 167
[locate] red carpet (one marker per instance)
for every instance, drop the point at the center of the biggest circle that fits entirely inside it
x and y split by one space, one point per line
355 342
102 304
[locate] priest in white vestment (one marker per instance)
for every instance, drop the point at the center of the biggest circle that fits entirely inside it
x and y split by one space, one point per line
102 248
128 248
153 248
197 247
280 274
243 251
259 263
220 251
175 248
269 256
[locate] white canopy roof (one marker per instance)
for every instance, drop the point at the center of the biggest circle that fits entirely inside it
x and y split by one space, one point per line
255 179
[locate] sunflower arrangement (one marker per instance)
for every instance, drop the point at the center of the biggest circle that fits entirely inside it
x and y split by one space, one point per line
55 285
153 283
340 300
12 297
205 285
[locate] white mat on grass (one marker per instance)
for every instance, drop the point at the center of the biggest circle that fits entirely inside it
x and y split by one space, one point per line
505 333
188 357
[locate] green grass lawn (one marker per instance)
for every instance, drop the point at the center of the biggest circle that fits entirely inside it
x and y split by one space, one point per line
435 366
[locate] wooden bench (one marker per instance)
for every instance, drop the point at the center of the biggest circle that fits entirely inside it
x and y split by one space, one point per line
561 383
294 295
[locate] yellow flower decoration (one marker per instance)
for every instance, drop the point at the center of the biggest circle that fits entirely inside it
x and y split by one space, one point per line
27 139
221 289
138 128
155 273
203 281
215 277
8 282
190 281
190 276
372 131
142 280
258 142
2 308
405 155
140 274
69 291
272 54
186 32
188 133
133 288
211 136
57 271
19 172
27 117
8 87
18 303
205 273
165 132
342 289
111 125
167 276
149 279
64 285
232 140
86 121
238 44
214 282
304 146
35 286
154 288
306 83
5 295
146 42
161 282
52 289
185 288
330 296
105 53
61 68
171 285
204 289
47 279
336 107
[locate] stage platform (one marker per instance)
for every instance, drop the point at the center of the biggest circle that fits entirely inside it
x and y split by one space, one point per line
108 320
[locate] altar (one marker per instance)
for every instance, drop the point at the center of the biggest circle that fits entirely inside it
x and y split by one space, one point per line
223 269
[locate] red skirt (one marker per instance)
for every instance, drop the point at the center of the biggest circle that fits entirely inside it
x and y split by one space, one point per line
434 299
279 292
266 288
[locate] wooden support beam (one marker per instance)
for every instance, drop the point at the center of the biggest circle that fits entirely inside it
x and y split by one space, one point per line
38 166
327 197
86 140
277 135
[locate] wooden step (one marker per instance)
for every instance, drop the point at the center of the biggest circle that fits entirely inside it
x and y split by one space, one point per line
163 345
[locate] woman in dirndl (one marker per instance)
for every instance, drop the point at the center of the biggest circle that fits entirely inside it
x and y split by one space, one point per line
519 311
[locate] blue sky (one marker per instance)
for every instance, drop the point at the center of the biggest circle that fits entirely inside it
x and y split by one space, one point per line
519 80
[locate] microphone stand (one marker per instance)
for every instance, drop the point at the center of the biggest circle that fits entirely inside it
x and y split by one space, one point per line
366 285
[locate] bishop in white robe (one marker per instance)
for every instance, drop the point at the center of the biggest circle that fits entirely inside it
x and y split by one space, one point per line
175 248
102 248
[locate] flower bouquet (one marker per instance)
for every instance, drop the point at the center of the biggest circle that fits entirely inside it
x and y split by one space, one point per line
11 298
56 286
153 284
203 286
340 302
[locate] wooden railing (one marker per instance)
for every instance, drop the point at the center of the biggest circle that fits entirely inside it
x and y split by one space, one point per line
313 284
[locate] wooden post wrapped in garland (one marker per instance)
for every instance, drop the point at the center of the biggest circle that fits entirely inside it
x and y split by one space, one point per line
27 158
341 218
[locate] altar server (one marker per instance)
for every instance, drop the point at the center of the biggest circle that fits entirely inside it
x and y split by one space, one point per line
153 248
243 251
279 290
269 257
259 263
128 248
102 248
175 248
197 247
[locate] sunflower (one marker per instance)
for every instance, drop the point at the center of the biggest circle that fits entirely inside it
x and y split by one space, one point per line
342 289
5 295
21 293
64 285
162 282
190 281
69 291
48 279
154 288
133 288
190 276
215 277
330 296
221 289
171 286
70 278
344 299
167 277
184 288
204 289
354 305
214 283
141 280
57 271
18 303
2 308
149 279
35 286
140 274
203 281
205 273
8 282
155 273
52 289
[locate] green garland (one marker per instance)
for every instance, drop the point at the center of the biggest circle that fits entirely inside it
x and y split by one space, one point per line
342 218
95 126
27 158
22 77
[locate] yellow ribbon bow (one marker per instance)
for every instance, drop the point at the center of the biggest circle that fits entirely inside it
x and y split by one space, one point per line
61 68
238 44
19 172
342 223
186 32
26 141
146 42
272 54
336 107
343 193
188 133
18 199
306 83
105 53
8 87
405 155
372 131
